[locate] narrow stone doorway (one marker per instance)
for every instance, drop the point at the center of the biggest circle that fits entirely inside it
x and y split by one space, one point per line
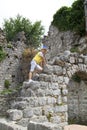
77 99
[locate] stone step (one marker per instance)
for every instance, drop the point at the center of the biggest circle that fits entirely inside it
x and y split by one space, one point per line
40 88
46 126
48 78
54 69
23 102
31 90
45 77
20 105
48 111
38 115
33 85
25 121
10 125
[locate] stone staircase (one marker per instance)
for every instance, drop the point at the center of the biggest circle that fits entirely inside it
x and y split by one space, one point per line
42 102
42 105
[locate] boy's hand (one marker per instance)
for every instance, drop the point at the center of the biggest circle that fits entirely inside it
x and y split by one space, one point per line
47 65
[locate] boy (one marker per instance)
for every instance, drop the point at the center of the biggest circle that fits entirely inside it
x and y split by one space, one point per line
37 63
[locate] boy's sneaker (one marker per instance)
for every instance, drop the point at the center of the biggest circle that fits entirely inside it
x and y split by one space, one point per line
30 81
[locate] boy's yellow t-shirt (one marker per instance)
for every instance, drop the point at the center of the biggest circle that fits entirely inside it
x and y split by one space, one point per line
38 57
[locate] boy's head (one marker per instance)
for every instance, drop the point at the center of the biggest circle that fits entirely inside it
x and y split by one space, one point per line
44 48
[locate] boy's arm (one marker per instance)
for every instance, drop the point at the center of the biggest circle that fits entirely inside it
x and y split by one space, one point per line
43 63
43 59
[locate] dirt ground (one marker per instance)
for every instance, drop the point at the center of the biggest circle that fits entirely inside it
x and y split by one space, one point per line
75 127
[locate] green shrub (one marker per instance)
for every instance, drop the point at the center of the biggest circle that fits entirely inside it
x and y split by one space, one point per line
2 54
6 83
6 91
61 18
76 78
71 18
74 49
9 45
49 115
33 32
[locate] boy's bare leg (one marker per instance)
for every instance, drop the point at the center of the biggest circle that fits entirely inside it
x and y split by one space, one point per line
30 75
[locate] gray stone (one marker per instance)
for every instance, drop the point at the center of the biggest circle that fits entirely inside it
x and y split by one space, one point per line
72 59
27 92
37 111
40 93
62 108
45 77
57 70
53 86
19 105
39 119
28 113
64 99
14 114
48 69
59 100
57 61
33 85
64 92
42 101
51 100
85 60
6 125
56 92
43 126
55 119
24 122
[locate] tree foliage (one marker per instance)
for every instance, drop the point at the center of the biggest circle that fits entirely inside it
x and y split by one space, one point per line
71 18
33 32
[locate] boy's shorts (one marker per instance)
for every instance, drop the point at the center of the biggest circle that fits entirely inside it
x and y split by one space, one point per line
34 66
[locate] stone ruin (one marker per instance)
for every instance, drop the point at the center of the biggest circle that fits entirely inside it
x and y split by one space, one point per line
57 97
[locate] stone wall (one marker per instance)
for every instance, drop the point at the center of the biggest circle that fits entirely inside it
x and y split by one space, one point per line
15 66
75 72
77 102
54 97
10 66
58 42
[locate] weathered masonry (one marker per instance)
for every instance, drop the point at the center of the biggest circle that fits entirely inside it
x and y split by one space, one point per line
57 98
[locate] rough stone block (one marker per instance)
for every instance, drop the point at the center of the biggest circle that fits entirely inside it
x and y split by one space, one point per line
62 108
5 125
48 69
41 101
19 105
64 92
28 113
43 126
72 60
39 119
56 92
15 114
57 70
